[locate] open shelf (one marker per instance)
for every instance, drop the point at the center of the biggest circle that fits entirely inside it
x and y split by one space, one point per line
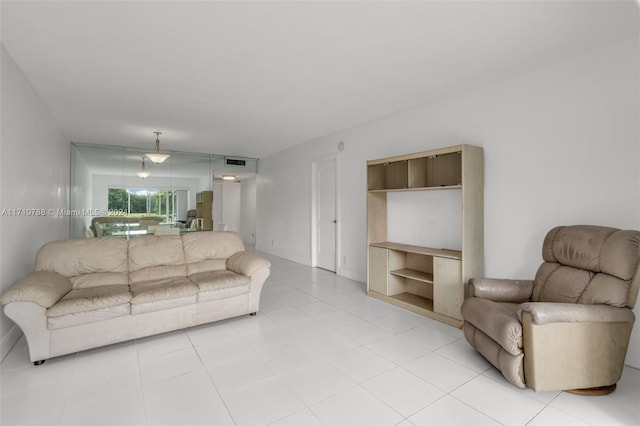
427 251
415 300
434 188
412 274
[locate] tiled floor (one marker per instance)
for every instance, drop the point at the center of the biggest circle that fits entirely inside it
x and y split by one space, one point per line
319 352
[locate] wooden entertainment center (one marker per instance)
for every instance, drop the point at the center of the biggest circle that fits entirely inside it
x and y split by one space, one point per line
425 280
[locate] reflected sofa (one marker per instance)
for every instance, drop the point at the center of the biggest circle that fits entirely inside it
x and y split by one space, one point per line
100 226
85 293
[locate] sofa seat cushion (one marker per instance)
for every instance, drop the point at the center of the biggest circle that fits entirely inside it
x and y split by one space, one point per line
96 315
164 289
220 284
503 325
99 279
90 299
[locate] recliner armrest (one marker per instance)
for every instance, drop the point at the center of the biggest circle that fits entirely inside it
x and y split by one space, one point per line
44 288
548 312
501 290
246 263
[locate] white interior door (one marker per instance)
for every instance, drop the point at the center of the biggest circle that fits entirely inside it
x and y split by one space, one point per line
326 215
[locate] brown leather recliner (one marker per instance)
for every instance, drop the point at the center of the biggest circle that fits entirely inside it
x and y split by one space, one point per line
569 328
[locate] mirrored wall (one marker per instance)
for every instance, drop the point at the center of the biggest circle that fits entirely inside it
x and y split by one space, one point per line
113 184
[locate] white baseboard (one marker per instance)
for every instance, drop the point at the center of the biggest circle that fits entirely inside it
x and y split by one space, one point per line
352 275
9 340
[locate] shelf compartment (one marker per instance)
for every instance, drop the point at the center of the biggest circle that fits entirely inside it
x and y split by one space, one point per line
417 304
436 171
415 300
410 273
388 175
426 277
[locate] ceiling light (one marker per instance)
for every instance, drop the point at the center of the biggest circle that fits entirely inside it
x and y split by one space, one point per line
228 177
156 157
143 173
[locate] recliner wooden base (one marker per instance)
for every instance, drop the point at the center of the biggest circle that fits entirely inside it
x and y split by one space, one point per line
600 390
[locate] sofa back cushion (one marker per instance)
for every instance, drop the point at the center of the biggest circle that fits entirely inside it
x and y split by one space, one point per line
587 264
154 257
209 251
87 262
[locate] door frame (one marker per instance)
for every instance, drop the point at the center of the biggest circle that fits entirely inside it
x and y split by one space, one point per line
314 206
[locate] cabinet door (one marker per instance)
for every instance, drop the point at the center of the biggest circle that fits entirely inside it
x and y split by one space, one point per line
378 267
447 286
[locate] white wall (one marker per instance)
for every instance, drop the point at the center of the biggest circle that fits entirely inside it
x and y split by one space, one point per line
561 146
81 197
231 205
34 154
248 210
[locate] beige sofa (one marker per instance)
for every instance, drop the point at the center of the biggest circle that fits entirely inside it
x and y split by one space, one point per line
86 293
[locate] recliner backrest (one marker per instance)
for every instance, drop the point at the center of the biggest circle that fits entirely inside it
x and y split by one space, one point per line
588 264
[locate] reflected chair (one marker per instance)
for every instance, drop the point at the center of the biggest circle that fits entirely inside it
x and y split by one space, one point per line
569 328
191 217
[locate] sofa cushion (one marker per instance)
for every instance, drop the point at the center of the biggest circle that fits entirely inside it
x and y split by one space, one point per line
98 279
165 289
89 299
75 257
156 257
96 315
208 251
503 325
220 284
163 305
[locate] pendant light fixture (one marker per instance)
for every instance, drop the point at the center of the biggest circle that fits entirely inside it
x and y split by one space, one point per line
155 156
143 173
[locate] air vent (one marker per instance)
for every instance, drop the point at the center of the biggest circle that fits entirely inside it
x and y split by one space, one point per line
235 162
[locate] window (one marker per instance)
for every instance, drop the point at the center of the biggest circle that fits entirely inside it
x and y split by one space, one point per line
168 204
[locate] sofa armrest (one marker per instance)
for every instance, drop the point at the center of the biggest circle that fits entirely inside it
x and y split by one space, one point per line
43 288
246 263
546 312
501 290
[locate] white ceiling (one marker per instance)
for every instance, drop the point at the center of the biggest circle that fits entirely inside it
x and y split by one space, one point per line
252 78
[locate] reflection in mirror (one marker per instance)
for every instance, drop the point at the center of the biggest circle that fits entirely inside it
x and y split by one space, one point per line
111 197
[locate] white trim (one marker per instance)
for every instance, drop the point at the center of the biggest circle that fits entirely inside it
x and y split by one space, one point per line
352 275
